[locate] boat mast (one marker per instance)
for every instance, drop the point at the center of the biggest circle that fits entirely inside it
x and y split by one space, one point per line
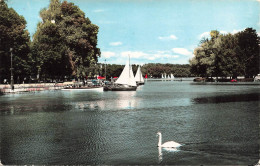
105 69
129 64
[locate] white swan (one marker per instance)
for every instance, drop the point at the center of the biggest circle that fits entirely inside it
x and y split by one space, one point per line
170 144
258 164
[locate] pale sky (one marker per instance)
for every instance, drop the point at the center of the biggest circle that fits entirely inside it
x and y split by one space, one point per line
153 31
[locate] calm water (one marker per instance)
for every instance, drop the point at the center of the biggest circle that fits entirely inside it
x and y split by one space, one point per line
216 124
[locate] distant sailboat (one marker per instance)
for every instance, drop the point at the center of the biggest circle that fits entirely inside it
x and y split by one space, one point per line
172 76
162 76
139 77
125 82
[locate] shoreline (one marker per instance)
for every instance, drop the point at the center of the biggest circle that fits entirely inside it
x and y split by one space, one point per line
35 87
19 88
225 83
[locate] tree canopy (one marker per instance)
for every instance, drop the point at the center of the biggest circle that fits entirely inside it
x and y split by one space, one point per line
65 42
13 35
249 44
227 55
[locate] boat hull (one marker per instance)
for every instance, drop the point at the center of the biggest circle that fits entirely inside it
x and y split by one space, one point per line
85 89
139 83
119 88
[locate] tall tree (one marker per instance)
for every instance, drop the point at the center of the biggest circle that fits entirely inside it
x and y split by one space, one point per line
52 57
13 35
248 42
227 55
228 59
69 37
204 62
197 66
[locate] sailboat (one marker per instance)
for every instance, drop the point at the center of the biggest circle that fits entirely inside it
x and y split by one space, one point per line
125 82
172 76
139 77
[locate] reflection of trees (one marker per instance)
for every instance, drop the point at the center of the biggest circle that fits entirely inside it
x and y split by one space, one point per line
126 100
119 100
228 98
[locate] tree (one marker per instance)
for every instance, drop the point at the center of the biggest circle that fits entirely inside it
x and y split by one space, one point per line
202 64
156 70
196 67
65 43
227 55
248 43
52 55
229 63
13 35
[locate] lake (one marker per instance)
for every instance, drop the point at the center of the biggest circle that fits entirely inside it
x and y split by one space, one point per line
216 124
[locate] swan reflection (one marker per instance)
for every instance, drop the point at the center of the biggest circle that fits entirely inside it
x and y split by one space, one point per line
160 157
258 164
161 150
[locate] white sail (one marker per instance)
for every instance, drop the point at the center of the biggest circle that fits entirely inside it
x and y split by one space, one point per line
127 76
172 76
132 78
162 76
139 76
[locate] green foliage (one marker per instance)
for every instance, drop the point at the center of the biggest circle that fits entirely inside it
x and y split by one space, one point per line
113 70
65 43
227 55
214 34
228 64
13 35
249 55
52 55
156 70
198 65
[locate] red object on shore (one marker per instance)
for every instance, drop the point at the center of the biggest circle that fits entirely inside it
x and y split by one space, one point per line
115 77
100 78
145 76
233 80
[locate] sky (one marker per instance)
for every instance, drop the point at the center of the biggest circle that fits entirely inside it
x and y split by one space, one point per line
153 31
